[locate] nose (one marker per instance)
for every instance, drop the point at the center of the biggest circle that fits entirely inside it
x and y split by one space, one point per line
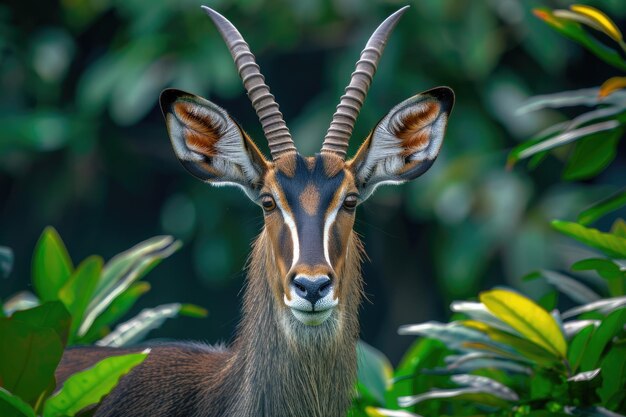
312 289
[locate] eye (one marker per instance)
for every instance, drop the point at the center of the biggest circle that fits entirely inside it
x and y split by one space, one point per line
268 203
350 202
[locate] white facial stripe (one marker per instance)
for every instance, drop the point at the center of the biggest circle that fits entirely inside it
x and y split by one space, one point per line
291 224
328 222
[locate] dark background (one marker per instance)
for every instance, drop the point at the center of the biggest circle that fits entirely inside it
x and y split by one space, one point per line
83 146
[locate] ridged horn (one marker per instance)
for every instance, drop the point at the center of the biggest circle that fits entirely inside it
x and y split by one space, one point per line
274 126
349 106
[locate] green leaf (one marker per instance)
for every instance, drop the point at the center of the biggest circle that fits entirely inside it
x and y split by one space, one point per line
79 289
374 371
115 311
135 329
608 270
611 245
574 289
124 269
28 357
528 318
530 351
192 310
598 210
619 228
6 261
52 265
613 367
530 148
612 325
591 155
52 315
11 405
578 345
88 387
576 33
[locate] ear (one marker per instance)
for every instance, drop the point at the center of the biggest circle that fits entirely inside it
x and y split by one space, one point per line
210 144
405 143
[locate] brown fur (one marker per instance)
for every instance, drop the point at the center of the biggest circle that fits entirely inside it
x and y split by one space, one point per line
275 367
416 128
310 199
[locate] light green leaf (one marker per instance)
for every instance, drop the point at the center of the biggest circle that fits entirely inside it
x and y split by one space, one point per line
611 203
605 306
135 329
86 388
115 311
528 318
611 245
124 269
374 370
613 377
52 265
192 310
529 149
9 404
79 289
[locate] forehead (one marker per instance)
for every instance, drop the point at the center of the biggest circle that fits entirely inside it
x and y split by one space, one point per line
310 181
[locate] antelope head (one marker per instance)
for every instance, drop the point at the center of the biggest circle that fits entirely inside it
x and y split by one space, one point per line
309 203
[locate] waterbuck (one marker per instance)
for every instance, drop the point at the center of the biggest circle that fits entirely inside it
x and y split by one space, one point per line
294 353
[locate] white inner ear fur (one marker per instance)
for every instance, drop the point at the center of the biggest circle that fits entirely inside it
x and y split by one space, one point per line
384 159
232 159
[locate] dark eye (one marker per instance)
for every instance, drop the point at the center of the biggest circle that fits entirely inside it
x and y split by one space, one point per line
350 202
268 203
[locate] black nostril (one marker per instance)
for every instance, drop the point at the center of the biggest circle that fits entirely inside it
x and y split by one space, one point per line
300 289
312 289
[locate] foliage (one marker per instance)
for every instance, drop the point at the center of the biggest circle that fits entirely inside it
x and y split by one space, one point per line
76 305
97 295
31 347
506 354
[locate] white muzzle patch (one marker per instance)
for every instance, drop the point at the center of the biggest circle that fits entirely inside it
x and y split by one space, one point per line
308 314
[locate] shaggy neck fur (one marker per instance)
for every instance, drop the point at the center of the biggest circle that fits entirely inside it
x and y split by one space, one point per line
280 367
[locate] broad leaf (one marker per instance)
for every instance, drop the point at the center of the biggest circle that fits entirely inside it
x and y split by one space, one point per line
592 155
28 357
610 327
611 245
601 208
88 387
51 315
374 370
79 289
528 318
613 365
578 346
11 405
479 312
52 265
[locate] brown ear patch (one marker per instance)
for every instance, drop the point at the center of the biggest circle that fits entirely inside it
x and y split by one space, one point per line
413 126
201 133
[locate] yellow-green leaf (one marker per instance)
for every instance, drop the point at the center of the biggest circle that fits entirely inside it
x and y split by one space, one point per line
608 26
611 85
528 318
87 387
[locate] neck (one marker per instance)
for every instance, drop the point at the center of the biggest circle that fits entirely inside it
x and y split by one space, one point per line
282 367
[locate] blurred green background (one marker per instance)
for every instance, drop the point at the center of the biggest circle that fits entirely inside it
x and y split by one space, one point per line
83 146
